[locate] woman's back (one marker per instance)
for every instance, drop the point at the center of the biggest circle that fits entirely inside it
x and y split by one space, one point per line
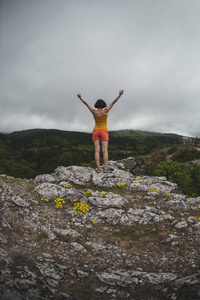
100 117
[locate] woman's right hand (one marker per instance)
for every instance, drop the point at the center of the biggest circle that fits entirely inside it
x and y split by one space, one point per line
79 96
121 92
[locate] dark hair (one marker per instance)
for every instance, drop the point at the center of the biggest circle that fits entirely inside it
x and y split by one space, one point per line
100 104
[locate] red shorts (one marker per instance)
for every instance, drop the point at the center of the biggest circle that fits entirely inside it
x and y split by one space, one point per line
100 135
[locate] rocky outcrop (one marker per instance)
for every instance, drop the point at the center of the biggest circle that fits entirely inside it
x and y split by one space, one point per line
77 234
191 143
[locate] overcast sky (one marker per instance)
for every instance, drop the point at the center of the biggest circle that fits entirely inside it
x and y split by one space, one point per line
50 50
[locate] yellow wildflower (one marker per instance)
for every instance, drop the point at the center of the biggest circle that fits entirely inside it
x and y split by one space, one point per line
67 186
59 202
121 185
155 191
167 195
80 207
87 193
103 195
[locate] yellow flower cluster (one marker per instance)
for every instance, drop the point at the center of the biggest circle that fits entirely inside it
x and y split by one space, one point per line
164 194
80 207
87 194
67 186
167 195
43 198
138 178
122 185
103 195
69 167
59 202
197 219
155 191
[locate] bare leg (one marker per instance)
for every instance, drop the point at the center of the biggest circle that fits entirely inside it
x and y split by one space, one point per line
105 153
97 153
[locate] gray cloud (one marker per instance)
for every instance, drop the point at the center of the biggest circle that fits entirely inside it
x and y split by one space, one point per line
52 50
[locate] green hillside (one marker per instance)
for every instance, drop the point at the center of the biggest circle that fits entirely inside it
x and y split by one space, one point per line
140 133
28 153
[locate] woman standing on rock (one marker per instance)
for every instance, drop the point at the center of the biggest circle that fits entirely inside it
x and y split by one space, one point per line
100 131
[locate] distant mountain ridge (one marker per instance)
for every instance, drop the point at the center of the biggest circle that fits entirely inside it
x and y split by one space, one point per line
131 132
37 133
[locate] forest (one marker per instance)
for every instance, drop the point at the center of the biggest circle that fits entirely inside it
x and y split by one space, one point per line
27 153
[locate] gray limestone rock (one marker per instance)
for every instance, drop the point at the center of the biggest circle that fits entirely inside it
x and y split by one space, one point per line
78 247
146 183
18 201
52 178
175 204
193 279
48 269
143 216
52 191
110 215
11 197
111 179
74 174
130 278
191 220
182 224
169 238
67 232
110 200
115 165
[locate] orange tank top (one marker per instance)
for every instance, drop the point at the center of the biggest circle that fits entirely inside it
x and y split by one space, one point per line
101 122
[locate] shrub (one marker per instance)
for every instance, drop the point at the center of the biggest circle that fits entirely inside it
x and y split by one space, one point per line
186 154
172 149
186 177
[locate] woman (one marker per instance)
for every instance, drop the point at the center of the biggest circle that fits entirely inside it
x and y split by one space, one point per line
100 131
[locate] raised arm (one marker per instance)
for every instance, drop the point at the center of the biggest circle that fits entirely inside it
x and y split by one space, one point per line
84 102
114 101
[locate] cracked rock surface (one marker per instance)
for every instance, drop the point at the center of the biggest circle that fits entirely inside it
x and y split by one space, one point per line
77 234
